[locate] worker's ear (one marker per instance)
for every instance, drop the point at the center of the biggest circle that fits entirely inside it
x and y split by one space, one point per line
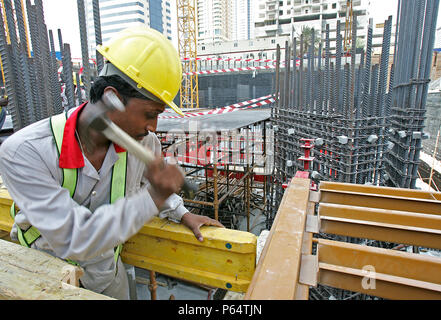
120 97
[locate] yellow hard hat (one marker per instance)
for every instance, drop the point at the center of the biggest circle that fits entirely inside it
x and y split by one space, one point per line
147 58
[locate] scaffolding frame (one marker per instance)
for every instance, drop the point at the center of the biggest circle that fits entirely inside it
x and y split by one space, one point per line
227 184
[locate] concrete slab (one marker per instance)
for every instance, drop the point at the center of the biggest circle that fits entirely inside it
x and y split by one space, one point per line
214 122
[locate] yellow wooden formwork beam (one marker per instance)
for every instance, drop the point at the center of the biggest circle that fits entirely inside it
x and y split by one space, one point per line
225 259
6 221
385 191
411 228
382 232
379 272
380 198
394 217
386 214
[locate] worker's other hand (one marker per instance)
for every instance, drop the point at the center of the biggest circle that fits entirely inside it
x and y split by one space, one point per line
164 180
194 222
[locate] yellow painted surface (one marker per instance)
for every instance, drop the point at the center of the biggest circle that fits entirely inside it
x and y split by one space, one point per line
225 259
6 221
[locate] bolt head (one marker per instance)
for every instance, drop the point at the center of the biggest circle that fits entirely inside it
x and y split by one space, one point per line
342 139
319 142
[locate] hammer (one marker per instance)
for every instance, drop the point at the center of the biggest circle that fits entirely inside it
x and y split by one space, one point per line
100 122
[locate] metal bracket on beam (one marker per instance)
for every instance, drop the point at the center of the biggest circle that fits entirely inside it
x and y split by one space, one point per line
312 224
314 196
309 270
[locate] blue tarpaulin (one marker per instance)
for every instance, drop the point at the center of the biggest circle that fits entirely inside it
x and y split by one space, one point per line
57 54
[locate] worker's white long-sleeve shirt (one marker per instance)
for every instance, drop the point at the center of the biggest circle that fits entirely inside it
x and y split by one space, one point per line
84 228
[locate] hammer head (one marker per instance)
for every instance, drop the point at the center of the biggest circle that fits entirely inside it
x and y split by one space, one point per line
97 119
112 102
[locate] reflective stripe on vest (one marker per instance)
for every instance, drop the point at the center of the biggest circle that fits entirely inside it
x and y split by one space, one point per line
70 177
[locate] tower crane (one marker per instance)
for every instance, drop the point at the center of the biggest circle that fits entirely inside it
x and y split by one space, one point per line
348 25
187 38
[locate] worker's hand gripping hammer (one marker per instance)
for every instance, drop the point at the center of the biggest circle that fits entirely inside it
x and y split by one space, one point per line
112 132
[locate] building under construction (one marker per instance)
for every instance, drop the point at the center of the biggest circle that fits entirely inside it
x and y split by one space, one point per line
310 160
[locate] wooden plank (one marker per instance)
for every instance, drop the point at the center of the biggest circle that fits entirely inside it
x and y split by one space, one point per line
277 273
28 274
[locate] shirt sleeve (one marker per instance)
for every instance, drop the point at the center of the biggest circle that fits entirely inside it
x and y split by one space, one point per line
72 230
173 209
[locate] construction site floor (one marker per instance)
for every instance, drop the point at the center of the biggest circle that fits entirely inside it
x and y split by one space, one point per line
167 287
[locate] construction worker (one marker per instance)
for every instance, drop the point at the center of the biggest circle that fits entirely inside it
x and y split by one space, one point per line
80 196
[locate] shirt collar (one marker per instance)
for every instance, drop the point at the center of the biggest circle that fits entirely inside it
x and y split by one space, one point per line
71 156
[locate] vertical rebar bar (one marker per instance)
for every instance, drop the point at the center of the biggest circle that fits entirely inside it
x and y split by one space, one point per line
98 39
84 46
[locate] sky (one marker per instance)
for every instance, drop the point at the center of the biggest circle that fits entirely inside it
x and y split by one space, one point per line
382 9
63 14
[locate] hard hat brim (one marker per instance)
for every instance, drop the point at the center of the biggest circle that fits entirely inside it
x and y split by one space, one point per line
176 108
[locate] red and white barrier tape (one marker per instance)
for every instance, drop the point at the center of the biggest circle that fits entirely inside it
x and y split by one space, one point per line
267 67
234 107
230 70
228 59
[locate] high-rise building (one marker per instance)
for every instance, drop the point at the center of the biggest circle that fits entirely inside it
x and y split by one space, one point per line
116 15
438 38
215 21
243 13
225 20
288 17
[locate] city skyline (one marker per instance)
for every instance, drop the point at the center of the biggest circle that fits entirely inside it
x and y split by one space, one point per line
65 17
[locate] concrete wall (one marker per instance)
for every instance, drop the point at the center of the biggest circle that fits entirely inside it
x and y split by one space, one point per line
433 124
220 90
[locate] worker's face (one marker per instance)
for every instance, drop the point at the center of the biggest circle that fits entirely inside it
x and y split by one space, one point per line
140 117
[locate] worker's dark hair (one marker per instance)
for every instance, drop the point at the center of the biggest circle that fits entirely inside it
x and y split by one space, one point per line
123 88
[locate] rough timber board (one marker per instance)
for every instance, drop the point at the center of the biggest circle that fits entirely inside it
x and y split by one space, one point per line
28 274
277 273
